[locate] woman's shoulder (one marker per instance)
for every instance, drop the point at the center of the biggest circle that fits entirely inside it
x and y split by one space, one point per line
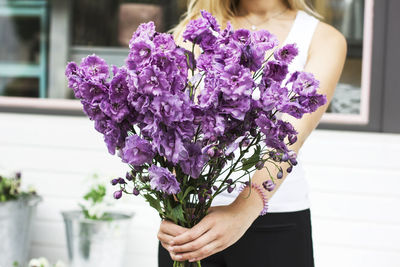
327 38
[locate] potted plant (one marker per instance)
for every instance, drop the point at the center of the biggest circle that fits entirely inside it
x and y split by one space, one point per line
92 232
17 208
40 262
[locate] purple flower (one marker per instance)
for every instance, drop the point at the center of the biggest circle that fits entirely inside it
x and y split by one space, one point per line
95 67
294 108
243 36
137 151
237 109
286 53
264 40
269 185
116 111
93 91
74 77
236 83
144 31
305 83
312 102
234 145
195 162
119 86
152 81
140 53
163 180
196 30
274 96
93 111
164 42
211 20
275 70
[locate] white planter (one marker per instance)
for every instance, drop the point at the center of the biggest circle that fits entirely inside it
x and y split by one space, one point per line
96 243
15 229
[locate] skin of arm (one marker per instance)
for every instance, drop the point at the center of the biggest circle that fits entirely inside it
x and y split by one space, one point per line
224 225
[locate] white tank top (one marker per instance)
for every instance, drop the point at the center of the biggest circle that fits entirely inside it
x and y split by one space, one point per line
292 194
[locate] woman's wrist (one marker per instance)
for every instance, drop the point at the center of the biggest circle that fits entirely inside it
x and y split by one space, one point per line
251 203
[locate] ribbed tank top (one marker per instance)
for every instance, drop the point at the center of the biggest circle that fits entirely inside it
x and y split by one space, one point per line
293 193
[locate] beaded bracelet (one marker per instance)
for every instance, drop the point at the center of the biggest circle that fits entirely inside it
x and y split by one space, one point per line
260 192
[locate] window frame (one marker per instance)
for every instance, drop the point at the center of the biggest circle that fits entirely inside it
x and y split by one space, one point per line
375 23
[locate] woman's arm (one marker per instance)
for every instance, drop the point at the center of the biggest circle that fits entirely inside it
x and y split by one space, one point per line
224 225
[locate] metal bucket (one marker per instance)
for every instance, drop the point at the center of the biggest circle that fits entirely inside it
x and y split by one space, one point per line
96 243
15 229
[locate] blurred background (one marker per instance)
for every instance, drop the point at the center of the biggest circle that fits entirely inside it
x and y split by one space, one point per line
354 179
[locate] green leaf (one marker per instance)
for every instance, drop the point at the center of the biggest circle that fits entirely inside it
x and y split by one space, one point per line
250 162
153 202
177 214
187 191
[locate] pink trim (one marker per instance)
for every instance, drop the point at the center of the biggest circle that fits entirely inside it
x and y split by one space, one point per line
39 103
260 192
363 117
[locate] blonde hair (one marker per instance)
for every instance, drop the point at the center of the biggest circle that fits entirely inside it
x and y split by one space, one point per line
225 10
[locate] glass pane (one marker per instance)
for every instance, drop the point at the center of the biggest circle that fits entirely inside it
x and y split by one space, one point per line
348 17
25 87
20 36
119 19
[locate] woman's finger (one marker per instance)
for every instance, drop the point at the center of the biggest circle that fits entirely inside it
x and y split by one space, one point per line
164 238
196 244
193 233
171 228
199 254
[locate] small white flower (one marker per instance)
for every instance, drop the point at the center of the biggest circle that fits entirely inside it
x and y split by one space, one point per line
40 262
60 264
97 210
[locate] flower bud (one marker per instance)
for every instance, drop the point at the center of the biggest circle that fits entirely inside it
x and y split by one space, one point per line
293 161
121 181
230 189
215 188
229 181
135 191
260 165
211 152
285 157
201 199
118 194
129 176
280 174
253 132
268 185
292 139
289 170
114 181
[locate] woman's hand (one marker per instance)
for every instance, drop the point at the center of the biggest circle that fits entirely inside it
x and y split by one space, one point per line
219 229
168 230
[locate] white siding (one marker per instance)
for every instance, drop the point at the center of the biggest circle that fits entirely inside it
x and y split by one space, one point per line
354 179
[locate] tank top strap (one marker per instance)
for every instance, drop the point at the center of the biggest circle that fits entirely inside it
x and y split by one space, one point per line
302 33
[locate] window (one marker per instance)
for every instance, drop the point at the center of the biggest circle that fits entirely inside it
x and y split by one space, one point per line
23 53
353 18
78 28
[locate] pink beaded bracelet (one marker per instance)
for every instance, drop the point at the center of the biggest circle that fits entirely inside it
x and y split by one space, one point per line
260 192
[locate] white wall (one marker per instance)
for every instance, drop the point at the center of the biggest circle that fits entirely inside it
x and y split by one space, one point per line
354 179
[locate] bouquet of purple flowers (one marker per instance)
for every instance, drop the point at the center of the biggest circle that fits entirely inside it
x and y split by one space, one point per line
179 141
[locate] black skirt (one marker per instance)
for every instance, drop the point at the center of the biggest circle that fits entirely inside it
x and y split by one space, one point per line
277 239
